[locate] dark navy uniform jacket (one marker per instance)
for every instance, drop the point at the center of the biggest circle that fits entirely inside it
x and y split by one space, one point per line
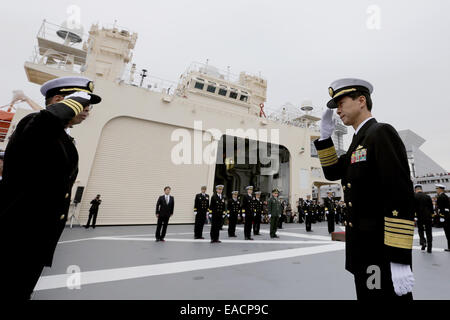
201 203
374 167
40 168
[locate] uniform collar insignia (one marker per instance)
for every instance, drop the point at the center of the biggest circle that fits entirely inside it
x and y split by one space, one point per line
359 147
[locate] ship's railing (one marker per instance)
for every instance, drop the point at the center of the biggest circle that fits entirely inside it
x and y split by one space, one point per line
133 76
207 69
61 60
48 31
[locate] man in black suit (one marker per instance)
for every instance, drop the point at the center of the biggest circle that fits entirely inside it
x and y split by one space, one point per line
164 210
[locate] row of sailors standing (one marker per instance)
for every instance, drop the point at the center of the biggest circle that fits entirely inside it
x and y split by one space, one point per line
333 211
250 208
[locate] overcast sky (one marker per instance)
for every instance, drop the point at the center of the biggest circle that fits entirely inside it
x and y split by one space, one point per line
300 47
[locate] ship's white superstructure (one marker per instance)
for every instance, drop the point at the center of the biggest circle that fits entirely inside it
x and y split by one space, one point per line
148 132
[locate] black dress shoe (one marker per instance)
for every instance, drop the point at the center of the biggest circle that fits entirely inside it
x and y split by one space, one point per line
157 240
448 250
162 240
423 247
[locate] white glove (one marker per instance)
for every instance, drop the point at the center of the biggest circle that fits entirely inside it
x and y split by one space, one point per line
243 215
327 124
223 216
402 278
270 216
79 94
195 213
228 215
18 95
210 215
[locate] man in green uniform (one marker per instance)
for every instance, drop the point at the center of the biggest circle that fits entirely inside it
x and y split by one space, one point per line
275 210
379 235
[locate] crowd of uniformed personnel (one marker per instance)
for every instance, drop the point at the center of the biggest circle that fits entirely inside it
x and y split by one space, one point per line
251 210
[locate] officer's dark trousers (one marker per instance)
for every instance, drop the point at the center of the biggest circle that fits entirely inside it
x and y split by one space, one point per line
256 224
308 223
163 221
232 224
216 223
248 225
386 291
330 223
424 227
93 216
273 225
200 219
447 231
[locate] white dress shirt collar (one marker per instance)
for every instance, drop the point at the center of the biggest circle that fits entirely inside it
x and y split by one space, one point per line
362 124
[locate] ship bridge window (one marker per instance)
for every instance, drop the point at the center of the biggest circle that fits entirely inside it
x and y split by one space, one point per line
223 90
211 87
244 96
199 84
233 93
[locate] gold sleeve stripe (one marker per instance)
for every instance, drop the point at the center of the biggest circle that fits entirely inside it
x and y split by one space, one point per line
396 230
400 236
322 155
76 110
328 157
74 107
331 159
327 151
75 104
401 226
328 163
403 221
398 243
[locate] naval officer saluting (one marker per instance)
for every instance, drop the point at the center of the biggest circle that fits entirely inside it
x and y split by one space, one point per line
379 235
35 198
